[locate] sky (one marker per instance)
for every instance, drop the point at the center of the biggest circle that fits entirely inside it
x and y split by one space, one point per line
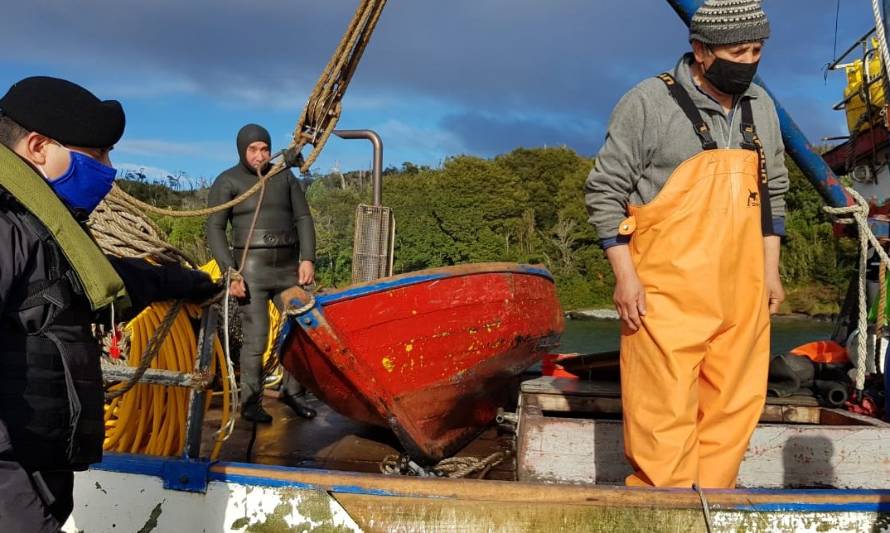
439 78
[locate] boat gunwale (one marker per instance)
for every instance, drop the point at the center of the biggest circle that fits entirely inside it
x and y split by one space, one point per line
747 500
420 276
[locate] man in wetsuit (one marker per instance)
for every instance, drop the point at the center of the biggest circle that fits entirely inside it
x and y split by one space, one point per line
281 254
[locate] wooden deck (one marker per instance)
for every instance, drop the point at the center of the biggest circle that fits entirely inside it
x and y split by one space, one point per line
331 442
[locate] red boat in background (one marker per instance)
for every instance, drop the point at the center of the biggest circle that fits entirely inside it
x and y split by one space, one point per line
429 354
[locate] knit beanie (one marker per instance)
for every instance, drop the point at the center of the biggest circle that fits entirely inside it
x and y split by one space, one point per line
722 22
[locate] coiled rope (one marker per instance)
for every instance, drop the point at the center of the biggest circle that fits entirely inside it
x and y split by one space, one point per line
452 467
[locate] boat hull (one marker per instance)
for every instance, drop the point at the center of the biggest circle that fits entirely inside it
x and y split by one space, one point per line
429 354
128 493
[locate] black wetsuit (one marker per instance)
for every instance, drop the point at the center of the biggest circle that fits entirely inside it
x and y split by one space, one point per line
284 236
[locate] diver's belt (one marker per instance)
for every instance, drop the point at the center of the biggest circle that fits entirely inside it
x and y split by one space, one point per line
263 238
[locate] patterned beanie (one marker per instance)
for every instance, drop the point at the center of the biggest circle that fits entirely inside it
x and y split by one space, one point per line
722 22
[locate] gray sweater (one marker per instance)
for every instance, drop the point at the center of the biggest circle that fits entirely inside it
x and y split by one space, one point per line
649 136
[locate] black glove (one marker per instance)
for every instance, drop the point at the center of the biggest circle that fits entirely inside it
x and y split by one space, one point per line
187 284
147 283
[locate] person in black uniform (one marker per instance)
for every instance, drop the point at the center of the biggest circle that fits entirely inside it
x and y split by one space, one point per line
55 139
281 254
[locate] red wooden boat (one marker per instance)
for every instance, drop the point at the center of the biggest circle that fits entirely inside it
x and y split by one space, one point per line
429 354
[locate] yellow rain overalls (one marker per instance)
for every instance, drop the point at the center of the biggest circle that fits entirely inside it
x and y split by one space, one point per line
693 377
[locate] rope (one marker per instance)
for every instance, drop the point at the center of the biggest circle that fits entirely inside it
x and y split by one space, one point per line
882 306
452 467
256 215
121 230
317 121
151 351
882 38
121 196
297 311
459 467
226 431
858 214
706 509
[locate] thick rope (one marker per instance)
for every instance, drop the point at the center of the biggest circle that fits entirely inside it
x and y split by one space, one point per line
317 121
858 214
121 230
452 467
297 311
882 307
120 196
879 29
151 351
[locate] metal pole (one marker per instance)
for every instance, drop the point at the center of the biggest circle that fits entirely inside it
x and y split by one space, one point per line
378 157
796 144
195 421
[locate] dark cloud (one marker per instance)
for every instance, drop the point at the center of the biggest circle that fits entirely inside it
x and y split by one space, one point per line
491 135
488 61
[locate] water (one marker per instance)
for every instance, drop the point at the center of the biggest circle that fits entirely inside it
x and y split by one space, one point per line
590 336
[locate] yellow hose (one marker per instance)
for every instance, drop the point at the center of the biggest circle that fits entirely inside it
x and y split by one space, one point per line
150 419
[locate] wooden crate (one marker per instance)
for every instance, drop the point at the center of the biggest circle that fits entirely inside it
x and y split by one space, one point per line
570 432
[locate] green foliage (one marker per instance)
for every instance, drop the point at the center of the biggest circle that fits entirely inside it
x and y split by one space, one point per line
816 265
186 234
525 206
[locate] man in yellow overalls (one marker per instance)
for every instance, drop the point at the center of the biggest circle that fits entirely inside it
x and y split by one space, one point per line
687 198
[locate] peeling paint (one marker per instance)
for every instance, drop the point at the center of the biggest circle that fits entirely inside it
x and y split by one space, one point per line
388 364
409 347
152 521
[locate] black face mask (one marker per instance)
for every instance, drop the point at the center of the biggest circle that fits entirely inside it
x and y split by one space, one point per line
730 77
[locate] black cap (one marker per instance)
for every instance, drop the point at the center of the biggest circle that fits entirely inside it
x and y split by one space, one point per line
64 111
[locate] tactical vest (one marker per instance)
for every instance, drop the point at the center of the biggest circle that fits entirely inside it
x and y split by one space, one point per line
51 395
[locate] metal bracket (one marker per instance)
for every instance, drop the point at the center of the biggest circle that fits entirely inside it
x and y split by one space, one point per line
186 475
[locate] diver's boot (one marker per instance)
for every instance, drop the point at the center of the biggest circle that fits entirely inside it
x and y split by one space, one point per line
298 406
254 412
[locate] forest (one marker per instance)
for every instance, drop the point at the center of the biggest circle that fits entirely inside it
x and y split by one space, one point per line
525 206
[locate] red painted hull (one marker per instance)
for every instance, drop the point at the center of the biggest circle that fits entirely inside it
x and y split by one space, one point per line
429 354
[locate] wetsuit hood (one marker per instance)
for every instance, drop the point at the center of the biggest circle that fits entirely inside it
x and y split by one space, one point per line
251 133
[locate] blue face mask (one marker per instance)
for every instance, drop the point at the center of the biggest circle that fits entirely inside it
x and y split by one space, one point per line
84 184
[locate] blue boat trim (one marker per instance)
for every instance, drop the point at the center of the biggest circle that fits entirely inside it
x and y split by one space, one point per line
171 470
348 293
282 483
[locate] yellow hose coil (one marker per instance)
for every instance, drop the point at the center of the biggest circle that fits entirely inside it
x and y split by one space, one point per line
151 419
